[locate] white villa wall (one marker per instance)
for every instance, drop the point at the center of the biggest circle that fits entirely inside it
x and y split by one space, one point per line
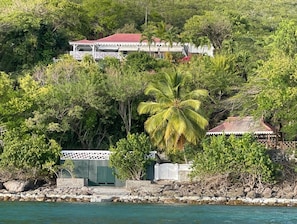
170 171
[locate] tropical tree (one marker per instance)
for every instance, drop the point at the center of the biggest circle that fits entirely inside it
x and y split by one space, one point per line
38 31
285 38
75 109
271 93
148 35
130 157
125 85
175 115
6 94
220 77
167 33
211 28
171 35
161 28
109 16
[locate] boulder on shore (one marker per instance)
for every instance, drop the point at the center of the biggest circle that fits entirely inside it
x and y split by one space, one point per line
16 186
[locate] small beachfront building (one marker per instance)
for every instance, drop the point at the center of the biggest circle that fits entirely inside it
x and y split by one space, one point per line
238 126
120 44
93 166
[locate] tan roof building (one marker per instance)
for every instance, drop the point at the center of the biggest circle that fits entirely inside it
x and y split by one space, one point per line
242 125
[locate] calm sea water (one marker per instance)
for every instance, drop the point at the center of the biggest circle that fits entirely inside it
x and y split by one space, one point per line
39 212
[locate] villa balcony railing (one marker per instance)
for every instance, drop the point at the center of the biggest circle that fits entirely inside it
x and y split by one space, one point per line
78 55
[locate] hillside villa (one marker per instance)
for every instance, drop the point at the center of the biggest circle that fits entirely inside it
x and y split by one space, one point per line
120 44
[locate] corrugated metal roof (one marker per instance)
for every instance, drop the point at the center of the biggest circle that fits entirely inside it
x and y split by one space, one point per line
241 125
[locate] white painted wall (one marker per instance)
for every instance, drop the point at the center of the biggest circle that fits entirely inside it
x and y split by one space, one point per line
170 171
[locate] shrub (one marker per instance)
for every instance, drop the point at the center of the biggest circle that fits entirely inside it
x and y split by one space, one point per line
140 61
23 150
239 156
130 156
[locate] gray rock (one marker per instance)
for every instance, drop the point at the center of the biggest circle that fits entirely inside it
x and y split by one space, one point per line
288 189
16 186
251 194
247 189
267 193
295 190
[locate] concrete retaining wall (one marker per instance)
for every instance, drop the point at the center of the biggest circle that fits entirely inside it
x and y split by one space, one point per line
71 182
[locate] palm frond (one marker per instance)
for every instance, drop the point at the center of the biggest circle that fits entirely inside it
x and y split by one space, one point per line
150 107
159 91
196 118
197 94
193 104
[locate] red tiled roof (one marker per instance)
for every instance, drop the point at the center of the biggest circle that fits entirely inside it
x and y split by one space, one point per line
118 38
84 41
122 37
241 125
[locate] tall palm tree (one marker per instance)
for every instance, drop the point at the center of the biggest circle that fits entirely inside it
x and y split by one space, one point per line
148 35
171 36
161 30
175 114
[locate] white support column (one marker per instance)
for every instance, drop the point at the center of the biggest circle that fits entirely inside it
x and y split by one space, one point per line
74 51
74 48
157 170
93 51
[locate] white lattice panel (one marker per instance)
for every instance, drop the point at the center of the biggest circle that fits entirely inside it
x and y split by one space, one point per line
91 154
85 155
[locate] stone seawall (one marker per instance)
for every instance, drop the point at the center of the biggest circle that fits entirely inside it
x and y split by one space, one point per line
64 194
57 197
187 193
196 200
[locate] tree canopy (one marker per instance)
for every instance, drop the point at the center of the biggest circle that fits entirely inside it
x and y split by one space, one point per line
63 103
175 114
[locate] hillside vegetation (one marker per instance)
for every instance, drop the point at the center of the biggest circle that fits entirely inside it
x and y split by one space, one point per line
47 105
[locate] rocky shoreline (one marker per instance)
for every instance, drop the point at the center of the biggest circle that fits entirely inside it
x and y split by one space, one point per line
165 193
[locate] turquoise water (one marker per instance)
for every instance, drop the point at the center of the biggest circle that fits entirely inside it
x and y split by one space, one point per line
39 212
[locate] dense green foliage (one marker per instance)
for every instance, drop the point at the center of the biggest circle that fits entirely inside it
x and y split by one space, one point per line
271 93
92 104
23 150
36 31
130 157
242 157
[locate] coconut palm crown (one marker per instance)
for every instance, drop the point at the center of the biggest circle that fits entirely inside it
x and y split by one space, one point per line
175 114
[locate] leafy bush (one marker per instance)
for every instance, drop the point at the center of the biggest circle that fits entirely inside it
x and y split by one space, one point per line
23 150
239 156
59 170
130 156
140 61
